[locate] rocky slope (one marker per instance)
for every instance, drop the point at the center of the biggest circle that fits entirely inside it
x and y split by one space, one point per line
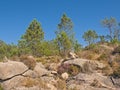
82 75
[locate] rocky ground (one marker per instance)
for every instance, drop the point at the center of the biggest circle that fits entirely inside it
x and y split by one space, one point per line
82 74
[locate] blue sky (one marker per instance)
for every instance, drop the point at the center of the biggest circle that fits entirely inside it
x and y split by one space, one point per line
16 15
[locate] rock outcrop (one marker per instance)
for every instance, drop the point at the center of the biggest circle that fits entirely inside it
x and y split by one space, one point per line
16 75
94 80
72 55
11 68
85 65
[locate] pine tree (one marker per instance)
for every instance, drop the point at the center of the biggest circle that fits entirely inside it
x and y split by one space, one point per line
65 35
90 36
33 36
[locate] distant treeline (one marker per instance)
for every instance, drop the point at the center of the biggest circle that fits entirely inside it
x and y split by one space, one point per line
33 42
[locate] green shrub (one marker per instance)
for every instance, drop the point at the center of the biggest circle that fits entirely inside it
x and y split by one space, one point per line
114 41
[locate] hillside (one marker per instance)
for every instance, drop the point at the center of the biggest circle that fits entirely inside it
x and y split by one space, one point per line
93 69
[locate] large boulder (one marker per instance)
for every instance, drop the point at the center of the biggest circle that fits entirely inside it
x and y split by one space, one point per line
12 83
24 83
85 87
85 64
16 75
31 74
40 70
94 80
11 68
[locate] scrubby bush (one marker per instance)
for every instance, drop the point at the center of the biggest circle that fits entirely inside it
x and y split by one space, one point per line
29 61
103 57
107 70
69 68
30 82
74 70
61 85
48 59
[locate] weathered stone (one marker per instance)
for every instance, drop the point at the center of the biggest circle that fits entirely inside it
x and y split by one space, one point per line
72 55
31 74
53 66
40 70
81 62
51 87
102 81
65 75
11 68
12 83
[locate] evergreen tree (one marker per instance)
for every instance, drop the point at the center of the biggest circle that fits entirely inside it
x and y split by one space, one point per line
65 35
111 24
33 36
90 36
77 46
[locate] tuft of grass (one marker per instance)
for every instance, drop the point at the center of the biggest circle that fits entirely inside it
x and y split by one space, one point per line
30 82
30 62
74 70
49 59
61 85
15 58
103 57
107 70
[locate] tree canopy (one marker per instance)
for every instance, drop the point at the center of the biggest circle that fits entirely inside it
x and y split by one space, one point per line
65 35
33 36
90 36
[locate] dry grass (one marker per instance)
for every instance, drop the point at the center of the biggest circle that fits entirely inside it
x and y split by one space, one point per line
60 85
30 82
88 55
107 70
15 58
49 59
29 61
104 57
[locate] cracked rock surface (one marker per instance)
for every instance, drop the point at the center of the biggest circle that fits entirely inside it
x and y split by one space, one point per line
15 75
11 69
